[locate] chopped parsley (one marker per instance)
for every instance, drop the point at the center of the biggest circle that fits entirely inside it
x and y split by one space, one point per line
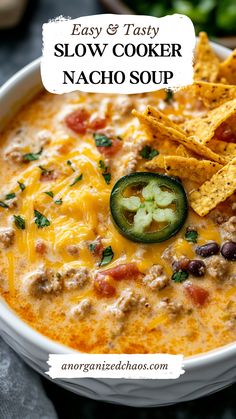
49 193
148 153
40 220
107 256
191 235
102 140
69 163
10 195
3 205
22 186
77 179
180 276
58 201
19 222
169 96
32 156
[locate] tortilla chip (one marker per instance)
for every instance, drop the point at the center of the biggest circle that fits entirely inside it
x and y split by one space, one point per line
227 69
182 151
223 148
203 128
206 66
161 117
157 162
214 94
162 131
220 187
185 167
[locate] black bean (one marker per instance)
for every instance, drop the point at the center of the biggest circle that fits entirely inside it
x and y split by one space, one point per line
197 267
228 250
181 265
208 249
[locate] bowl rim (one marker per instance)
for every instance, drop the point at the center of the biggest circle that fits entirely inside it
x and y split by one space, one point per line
37 339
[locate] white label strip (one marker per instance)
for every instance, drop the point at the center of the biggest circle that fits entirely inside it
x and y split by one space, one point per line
117 53
151 366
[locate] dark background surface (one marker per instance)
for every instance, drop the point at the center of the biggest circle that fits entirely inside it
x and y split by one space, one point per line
18 47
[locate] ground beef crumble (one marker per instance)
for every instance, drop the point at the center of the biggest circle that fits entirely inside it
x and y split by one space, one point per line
7 235
43 282
228 229
217 267
75 278
124 304
81 310
156 279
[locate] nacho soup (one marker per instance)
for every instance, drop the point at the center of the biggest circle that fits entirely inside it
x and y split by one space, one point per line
118 216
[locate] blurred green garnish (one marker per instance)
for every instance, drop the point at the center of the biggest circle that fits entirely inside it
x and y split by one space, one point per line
213 16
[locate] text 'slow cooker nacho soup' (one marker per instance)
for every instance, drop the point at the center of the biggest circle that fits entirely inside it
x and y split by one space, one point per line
118 216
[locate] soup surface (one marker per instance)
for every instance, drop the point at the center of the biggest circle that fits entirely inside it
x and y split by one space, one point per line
68 271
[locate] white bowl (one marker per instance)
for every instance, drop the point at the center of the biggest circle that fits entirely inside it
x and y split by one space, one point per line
205 373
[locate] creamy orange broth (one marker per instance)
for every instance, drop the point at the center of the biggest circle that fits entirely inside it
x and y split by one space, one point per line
83 216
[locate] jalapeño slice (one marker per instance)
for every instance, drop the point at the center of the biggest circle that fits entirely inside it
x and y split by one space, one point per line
148 207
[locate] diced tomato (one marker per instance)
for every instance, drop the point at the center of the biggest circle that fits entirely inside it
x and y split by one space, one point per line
197 294
225 133
97 247
111 150
77 121
125 271
97 123
40 247
103 286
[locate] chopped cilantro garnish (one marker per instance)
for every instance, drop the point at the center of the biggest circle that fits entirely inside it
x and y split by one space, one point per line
92 246
148 153
102 140
40 220
179 276
191 235
69 163
49 193
102 165
58 201
10 195
3 205
22 186
19 222
105 173
45 171
77 179
32 156
169 95
107 256
107 177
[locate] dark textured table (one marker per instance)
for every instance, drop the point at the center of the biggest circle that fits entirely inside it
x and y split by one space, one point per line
18 47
